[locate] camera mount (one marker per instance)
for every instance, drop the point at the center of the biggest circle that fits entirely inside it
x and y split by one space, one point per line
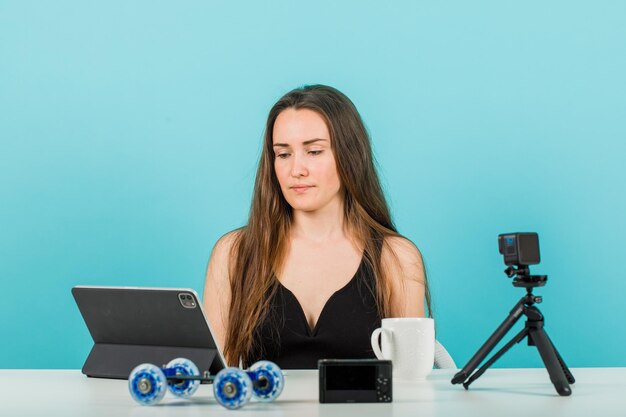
522 278
560 374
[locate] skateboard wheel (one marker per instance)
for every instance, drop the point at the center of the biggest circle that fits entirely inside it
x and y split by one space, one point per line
232 388
147 383
182 366
268 380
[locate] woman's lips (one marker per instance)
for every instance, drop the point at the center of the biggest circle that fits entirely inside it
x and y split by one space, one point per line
301 188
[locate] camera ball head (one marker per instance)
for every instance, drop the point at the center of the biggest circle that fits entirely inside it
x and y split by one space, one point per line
522 277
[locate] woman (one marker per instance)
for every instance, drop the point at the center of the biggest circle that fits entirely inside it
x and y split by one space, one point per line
319 262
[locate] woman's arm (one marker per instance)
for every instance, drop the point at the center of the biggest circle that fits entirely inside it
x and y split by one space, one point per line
216 296
405 272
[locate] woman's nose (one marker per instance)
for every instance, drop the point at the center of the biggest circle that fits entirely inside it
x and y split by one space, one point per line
299 169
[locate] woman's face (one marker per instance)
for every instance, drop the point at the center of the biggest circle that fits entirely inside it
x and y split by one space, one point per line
304 161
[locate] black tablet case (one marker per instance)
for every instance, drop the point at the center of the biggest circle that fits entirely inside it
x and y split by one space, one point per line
130 326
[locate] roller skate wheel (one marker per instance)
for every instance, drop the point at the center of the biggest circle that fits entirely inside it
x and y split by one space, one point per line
182 366
147 383
232 388
268 380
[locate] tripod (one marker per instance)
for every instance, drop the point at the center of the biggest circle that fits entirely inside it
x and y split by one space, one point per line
559 373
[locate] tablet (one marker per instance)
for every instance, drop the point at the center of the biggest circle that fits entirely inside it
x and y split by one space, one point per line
132 325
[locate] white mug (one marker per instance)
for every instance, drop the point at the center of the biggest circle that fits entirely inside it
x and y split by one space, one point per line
409 342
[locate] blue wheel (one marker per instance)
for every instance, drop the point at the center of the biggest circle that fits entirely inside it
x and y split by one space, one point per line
147 383
268 380
182 366
232 388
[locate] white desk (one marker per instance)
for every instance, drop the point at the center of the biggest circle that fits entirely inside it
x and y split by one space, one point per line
500 392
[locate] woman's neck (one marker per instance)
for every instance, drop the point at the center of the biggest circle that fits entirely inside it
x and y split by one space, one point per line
320 225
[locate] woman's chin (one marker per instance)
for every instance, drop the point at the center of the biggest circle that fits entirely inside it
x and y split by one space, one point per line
305 207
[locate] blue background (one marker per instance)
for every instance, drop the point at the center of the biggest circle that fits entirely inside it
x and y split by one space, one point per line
130 133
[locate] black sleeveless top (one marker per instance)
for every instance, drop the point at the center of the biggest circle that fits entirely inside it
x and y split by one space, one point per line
342 331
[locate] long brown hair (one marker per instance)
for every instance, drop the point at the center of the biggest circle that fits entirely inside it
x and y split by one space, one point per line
259 248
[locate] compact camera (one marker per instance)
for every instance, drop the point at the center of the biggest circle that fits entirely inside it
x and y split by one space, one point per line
519 248
355 380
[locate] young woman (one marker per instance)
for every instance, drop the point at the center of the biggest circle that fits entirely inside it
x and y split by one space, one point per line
319 262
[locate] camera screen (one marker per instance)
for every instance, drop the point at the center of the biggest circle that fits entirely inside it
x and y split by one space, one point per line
346 377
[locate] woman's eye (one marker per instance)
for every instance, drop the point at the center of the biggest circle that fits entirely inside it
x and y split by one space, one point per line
282 155
315 152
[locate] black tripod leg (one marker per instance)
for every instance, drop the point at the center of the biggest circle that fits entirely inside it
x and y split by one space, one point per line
551 361
493 340
566 371
518 338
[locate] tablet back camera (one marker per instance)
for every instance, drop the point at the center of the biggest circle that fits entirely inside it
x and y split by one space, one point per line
187 300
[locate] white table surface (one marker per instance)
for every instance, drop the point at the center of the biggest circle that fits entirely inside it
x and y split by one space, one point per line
499 392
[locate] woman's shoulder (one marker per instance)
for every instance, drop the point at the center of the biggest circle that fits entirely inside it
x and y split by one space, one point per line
228 240
223 249
402 256
402 247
